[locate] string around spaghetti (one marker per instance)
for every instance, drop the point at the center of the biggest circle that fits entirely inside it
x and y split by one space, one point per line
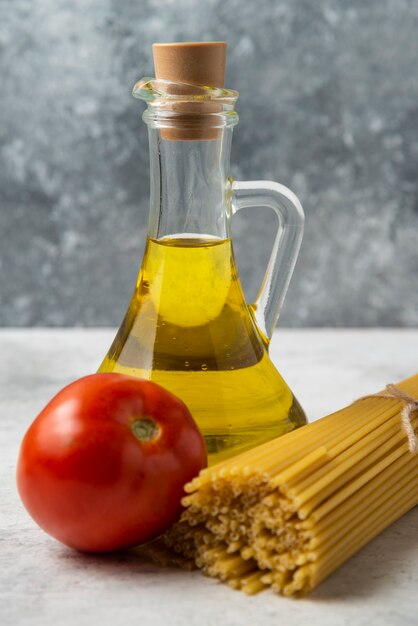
410 407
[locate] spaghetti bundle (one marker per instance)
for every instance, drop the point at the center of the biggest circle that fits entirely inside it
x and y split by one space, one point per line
287 513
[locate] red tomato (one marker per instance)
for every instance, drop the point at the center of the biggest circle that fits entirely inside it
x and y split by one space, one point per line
103 465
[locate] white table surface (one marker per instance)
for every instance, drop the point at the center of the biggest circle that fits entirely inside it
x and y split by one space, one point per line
42 582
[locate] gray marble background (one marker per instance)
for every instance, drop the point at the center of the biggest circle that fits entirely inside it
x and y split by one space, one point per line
328 106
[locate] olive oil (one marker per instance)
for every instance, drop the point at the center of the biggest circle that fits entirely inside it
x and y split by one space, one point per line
188 328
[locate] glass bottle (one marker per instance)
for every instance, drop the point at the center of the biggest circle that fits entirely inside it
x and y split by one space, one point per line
188 326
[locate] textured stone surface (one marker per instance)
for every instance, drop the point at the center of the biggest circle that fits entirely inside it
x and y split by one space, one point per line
43 583
328 107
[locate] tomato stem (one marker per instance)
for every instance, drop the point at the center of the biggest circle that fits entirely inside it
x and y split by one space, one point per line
145 429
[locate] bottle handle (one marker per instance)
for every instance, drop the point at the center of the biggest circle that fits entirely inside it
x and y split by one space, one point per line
285 204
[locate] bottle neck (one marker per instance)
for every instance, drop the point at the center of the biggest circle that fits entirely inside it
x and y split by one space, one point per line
189 180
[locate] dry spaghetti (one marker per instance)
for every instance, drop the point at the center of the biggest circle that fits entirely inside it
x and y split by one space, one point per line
286 514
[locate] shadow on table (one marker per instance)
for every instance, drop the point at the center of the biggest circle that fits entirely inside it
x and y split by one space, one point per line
378 566
121 562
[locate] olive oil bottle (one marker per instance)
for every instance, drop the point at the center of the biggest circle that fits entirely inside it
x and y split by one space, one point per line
188 326
189 329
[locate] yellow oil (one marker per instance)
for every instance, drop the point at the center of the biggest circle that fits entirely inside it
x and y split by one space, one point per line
189 329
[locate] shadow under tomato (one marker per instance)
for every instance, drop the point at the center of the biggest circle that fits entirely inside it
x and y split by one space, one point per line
128 561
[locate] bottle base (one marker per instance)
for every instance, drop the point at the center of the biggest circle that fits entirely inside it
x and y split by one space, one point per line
221 446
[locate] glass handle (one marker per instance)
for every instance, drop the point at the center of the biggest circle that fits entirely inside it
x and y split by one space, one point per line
267 307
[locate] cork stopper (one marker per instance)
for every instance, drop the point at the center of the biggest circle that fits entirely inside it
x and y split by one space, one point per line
191 63
196 63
